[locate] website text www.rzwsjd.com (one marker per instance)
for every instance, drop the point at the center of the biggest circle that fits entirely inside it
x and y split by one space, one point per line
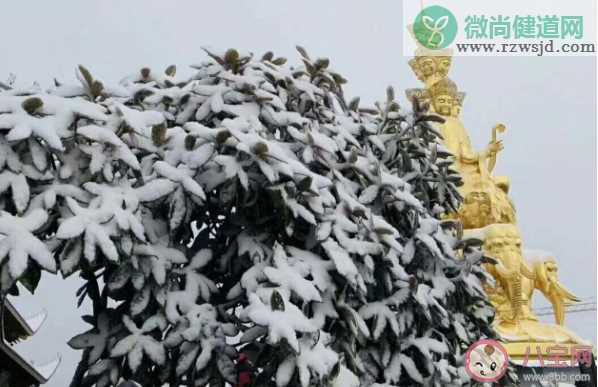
538 48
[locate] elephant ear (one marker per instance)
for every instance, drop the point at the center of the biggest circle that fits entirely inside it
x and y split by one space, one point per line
527 270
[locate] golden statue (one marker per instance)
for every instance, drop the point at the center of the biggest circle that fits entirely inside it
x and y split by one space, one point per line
516 281
488 213
430 69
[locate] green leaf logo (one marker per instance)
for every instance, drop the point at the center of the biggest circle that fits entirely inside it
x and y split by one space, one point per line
435 27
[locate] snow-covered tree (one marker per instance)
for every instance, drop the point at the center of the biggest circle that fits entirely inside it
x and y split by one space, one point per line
246 212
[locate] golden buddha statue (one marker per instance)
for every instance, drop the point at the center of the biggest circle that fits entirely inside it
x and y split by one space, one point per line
488 213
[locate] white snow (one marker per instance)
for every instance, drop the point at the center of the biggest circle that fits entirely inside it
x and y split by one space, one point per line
48 369
291 277
280 323
35 322
137 344
18 243
171 181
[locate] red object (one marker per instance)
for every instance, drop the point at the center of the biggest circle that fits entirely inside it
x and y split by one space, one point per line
244 370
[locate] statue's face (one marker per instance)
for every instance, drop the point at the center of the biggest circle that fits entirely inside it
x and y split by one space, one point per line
443 66
478 199
416 69
443 104
476 211
428 66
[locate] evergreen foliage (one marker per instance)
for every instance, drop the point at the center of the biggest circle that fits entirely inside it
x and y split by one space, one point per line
248 210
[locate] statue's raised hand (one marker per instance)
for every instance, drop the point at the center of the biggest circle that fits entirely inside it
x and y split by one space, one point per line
494 147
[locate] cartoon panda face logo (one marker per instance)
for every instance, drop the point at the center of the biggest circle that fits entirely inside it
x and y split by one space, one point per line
486 361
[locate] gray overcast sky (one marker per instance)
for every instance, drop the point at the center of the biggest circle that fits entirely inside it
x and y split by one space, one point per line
547 104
